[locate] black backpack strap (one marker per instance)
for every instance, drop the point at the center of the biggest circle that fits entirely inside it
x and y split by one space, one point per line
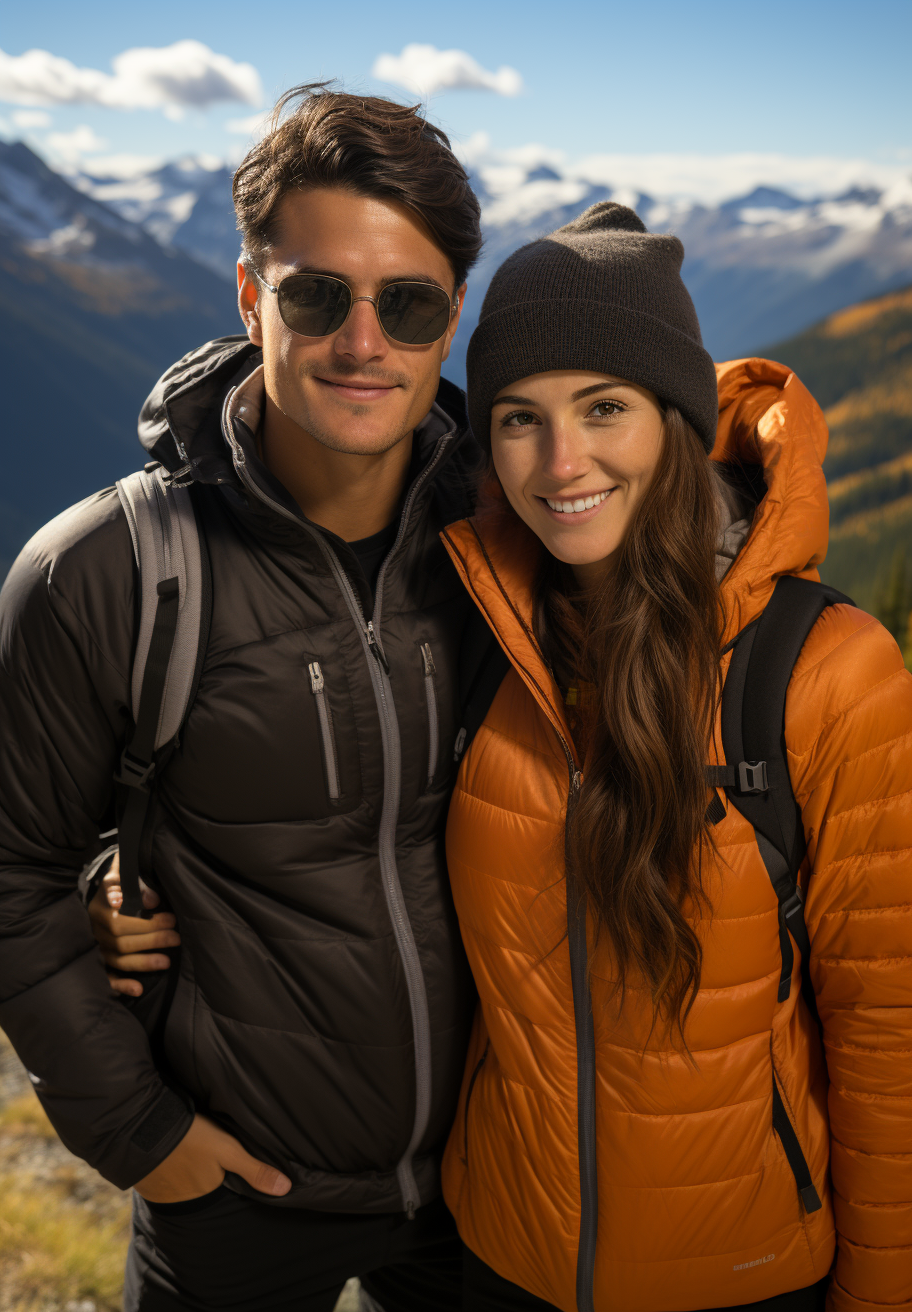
757 783
756 777
138 763
174 595
482 666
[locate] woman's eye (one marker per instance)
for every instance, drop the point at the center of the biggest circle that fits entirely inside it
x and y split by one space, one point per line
605 409
518 419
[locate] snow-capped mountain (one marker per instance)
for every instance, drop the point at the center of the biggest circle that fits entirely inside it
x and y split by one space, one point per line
760 267
94 310
52 222
185 204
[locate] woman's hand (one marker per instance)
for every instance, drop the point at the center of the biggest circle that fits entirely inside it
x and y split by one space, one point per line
129 942
198 1164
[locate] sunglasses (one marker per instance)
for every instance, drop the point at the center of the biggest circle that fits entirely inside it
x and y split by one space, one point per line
316 305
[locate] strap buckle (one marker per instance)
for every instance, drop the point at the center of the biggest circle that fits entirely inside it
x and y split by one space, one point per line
792 906
182 477
752 777
133 772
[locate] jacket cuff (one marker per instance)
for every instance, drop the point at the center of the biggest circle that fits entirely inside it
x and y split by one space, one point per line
157 1135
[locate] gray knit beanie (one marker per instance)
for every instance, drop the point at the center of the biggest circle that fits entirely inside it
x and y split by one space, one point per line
600 293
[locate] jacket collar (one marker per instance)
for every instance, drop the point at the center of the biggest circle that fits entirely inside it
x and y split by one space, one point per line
192 418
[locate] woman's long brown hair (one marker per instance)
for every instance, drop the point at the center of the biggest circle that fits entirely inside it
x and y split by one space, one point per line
648 640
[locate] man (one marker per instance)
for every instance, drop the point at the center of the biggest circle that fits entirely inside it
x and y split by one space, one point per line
283 1129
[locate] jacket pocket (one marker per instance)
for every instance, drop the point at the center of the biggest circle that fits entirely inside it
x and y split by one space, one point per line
430 692
330 760
469 1091
794 1153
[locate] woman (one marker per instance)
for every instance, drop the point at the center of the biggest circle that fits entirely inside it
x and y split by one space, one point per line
615 1147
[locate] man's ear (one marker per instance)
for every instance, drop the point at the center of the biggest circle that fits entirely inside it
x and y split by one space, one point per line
454 321
248 304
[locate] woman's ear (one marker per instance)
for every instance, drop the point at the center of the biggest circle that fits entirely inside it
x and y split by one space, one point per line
248 304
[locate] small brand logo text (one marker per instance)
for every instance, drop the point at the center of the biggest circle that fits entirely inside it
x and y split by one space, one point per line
742 1266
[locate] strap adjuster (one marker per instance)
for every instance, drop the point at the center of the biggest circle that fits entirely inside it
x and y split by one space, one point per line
133 772
752 777
182 477
792 906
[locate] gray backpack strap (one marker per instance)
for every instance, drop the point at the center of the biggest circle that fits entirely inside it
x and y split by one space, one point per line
169 558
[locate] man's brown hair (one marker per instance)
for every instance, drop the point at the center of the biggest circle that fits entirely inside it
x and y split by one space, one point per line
372 147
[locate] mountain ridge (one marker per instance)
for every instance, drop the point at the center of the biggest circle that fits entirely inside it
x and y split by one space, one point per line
761 266
857 362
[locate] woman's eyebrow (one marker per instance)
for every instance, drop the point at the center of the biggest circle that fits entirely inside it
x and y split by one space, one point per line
595 387
512 400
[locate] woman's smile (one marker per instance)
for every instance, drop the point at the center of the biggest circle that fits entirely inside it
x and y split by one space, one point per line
574 511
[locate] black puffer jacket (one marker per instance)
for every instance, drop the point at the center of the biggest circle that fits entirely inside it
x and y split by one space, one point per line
323 999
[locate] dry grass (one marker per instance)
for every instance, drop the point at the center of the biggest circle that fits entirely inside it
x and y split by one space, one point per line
54 1250
872 522
844 323
849 482
25 1115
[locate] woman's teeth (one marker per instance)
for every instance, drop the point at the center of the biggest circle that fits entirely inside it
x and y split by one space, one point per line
581 503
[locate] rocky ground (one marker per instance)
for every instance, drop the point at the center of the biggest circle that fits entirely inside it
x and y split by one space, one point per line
63 1229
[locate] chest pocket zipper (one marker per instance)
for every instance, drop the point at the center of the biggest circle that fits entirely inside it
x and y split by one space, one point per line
430 692
318 688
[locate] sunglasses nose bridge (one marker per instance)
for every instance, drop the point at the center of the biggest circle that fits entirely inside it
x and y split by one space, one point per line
367 337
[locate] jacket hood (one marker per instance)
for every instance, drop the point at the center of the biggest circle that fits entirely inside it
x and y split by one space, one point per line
767 418
181 418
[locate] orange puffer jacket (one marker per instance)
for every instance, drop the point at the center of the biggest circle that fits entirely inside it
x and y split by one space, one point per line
697 1206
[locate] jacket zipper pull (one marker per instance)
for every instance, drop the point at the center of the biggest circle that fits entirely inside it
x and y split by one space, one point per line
428 659
375 648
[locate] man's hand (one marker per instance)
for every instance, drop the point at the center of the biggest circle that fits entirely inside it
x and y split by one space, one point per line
129 942
198 1164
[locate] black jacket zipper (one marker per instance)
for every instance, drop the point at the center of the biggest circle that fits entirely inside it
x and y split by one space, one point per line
318 688
430 692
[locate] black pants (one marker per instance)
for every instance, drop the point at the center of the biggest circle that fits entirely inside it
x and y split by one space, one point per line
230 1254
485 1291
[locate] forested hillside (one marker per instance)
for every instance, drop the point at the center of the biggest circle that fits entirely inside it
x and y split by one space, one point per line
858 364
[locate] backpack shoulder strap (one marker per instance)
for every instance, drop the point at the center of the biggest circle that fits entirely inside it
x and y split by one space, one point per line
757 783
174 595
756 779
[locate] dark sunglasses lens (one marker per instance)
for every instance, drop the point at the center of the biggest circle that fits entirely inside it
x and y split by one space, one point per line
414 313
313 305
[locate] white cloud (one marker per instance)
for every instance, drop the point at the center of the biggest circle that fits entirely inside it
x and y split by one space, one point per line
31 118
185 75
69 147
427 70
704 179
711 179
253 126
123 166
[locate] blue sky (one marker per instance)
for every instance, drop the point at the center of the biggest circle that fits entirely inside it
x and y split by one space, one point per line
794 79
